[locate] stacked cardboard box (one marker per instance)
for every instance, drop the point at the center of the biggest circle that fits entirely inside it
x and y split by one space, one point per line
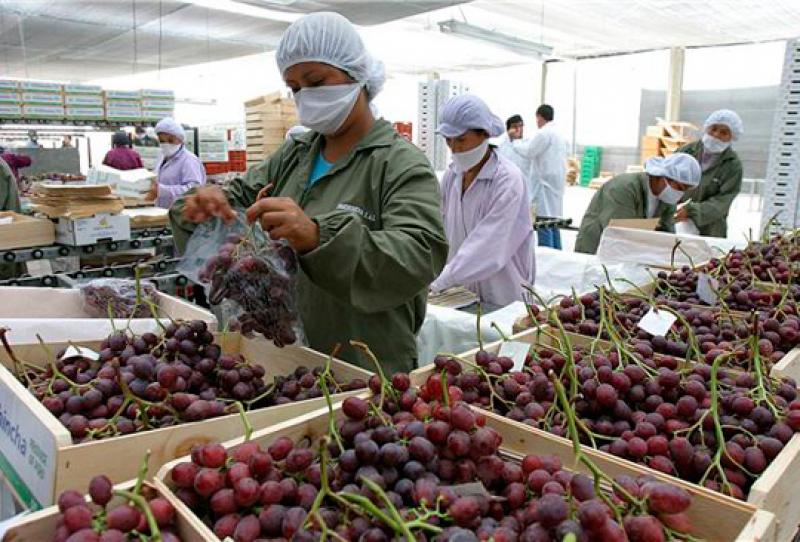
266 121
123 105
157 104
213 146
84 102
10 103
42 100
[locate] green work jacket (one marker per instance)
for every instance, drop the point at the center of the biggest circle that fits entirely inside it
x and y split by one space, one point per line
381 241
9 195
719 185
624 196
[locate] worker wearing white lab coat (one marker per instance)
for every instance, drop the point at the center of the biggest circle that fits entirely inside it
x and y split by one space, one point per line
547 152
505 148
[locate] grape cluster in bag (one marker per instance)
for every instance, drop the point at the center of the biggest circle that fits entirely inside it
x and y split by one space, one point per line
250 276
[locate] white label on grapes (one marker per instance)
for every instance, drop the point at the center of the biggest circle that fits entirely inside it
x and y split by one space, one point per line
707 288
80 352
515 350
657 322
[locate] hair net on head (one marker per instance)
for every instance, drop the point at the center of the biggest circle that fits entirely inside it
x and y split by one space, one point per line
330 38
168 125
679 167
468 112
728 118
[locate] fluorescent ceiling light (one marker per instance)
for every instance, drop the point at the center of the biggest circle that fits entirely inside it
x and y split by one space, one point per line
519 46
250 10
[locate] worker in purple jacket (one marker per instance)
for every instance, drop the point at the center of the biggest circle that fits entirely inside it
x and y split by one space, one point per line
122 156
177 168
485 208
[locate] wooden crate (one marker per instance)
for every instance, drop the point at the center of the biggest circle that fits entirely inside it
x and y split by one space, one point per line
714 516
41 526
772 491
52 463
25 231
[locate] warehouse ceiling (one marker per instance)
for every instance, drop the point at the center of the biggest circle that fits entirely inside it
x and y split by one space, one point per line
79 40
584 28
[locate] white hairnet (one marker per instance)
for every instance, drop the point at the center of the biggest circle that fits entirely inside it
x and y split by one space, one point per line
168 125
679 167
728 118
297 129
330 38
468 112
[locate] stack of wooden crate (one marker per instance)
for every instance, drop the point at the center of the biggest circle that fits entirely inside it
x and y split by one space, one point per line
267 119
665 138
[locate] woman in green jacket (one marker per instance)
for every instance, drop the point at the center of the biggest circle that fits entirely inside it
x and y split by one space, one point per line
710 202
652 194
358 203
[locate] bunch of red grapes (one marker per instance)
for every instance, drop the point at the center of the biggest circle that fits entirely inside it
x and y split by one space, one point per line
147 382
716 333
260 280
98 521
649 412
405 462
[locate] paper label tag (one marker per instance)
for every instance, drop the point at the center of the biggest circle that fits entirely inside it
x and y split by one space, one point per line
657 322
6 220
707 288
515 350
79 351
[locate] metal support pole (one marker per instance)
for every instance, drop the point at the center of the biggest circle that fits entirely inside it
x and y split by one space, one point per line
543 84
677 57
574 107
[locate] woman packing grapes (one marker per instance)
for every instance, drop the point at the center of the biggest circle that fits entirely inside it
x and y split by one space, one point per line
358 203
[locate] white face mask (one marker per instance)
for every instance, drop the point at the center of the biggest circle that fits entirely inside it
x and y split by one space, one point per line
464 161
169 149
670 196
714 145
324 109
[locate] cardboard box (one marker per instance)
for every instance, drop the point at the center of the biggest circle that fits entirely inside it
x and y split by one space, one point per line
83 89
158 94
9 96
152 103
155 115
88 231
122 95
213 146
213 156
40 86
44 98
85 100
43 111
88 113
9 84
10 111
648 224
20 231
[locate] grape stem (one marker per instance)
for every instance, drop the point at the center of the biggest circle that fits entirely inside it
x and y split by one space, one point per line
580 456
141 503
323 384
248 427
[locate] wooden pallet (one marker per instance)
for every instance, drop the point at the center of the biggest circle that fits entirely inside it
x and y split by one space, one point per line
713 516
71 465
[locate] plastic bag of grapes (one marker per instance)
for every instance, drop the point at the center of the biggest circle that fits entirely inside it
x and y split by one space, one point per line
249 278
118 298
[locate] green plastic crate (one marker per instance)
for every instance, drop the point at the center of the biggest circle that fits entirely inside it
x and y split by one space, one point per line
590 164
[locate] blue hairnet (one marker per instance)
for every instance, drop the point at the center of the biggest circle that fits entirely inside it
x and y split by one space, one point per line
330 38
468 112
728 118
679 167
